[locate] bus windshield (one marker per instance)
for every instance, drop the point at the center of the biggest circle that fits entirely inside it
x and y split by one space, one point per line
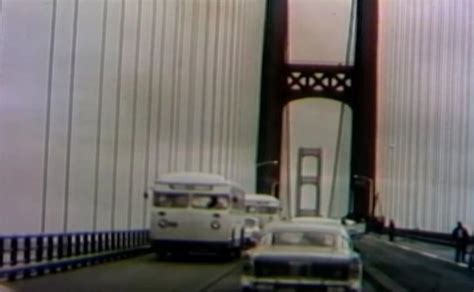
205 201
262 209
171 200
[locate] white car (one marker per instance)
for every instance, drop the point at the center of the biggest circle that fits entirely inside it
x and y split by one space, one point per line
299 256
353 228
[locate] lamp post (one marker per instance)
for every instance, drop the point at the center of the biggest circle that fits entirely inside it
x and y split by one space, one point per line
146 195
268 162
370 181
275 182
274 188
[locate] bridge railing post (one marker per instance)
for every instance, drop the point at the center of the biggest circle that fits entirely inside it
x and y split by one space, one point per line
129 238
100 243
60 247
50 247
27 250
85 241
2 249
13 251
69 245
113 236
39 248
77 244
93 241
107 241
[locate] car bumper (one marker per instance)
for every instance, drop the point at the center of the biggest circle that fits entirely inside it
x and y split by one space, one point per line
270 284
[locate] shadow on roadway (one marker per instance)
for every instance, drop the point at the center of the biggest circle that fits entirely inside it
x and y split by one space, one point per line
194 258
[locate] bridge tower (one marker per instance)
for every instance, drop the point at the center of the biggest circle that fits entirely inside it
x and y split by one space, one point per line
283 82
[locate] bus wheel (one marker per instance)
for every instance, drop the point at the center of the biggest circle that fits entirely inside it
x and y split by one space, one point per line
160 255
237 253
232 254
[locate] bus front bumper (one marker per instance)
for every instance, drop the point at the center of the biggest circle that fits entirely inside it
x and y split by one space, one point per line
191 246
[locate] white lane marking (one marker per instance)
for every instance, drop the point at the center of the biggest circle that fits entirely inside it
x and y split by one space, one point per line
428 254
4 288
219 278
383 279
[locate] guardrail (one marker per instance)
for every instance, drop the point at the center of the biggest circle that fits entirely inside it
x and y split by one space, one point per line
35 254
417 234
427 236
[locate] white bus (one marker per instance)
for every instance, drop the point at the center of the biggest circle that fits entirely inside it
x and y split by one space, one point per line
197 212
265 207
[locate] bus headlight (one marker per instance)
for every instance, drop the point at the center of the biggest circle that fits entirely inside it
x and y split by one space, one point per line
336 289
355 269
215 225
162 223
247 268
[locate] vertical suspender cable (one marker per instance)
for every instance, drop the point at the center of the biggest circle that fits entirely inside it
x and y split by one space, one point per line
341 116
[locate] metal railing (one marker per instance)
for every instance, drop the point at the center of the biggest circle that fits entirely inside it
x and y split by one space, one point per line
36 253
417 234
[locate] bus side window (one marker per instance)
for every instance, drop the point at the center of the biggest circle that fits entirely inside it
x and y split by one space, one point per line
236 202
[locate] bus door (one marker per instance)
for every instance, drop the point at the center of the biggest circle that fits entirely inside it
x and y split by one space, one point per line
211 220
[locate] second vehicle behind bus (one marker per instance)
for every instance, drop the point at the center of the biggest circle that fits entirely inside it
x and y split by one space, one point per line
265 207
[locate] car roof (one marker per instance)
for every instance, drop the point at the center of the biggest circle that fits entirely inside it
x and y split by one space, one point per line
295 226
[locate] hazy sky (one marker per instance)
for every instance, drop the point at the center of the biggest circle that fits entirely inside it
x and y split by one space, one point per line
318 30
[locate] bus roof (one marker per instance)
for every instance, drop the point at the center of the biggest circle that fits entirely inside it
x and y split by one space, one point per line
192 178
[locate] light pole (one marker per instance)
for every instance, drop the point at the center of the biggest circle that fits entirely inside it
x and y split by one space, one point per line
146 195
274 188
275 182
268 162
371 192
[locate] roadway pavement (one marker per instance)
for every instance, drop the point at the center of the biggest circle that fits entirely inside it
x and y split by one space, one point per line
404 265
144 273
408 265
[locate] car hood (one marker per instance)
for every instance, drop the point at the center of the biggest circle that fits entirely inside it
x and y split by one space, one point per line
301 253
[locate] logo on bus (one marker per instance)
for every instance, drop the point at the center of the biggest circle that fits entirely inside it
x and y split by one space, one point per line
163 223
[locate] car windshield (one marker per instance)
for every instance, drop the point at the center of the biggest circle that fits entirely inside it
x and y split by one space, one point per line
304 238
204 201
171 200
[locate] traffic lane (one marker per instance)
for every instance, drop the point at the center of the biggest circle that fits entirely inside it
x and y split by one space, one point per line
143 273
414 271
231 283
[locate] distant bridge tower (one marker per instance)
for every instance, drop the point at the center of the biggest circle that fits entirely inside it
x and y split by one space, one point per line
304 179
